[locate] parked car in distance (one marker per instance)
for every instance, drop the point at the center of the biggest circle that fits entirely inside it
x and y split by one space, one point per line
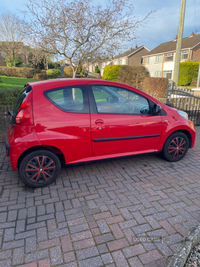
78 120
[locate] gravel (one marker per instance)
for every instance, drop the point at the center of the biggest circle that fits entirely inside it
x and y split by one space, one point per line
193 259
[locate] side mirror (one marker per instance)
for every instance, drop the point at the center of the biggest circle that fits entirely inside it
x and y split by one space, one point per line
156 109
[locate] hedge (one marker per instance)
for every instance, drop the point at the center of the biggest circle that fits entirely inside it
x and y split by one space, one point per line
110 72
40 76
68 72
16 72
53 73
156 87
188 71
8 96
132 75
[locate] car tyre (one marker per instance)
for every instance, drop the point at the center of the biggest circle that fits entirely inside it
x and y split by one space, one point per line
39 168
175 147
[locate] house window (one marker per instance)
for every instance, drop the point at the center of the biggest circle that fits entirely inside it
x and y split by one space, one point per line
2 55
120 62
158 59
167 74
157 73
184 55
147 60
169 57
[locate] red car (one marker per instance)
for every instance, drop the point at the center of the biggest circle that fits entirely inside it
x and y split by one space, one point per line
77 120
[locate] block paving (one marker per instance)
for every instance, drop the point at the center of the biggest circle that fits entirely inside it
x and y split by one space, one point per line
130 211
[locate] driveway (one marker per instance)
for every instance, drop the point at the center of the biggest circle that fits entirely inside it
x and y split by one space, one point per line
121 212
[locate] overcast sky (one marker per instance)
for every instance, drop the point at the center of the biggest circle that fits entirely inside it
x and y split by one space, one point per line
161 27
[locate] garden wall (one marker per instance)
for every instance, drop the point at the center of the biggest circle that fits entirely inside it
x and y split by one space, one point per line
4 121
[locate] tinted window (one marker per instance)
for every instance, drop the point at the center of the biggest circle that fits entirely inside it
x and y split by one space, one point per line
69 99
116 100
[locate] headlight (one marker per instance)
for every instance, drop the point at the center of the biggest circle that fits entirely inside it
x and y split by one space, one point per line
183 114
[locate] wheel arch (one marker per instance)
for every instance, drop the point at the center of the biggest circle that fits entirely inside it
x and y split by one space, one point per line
187 133
57 151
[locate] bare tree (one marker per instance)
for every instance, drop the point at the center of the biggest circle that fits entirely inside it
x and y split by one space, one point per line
11 37
79 30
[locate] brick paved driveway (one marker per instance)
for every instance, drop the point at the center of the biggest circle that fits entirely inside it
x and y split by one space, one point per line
100 214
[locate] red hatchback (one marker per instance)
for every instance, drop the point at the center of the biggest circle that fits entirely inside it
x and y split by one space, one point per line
77 120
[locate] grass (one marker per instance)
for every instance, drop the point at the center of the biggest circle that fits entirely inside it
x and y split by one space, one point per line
12 82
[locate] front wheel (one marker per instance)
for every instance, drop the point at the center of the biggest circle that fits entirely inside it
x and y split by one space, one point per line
39 168
176 147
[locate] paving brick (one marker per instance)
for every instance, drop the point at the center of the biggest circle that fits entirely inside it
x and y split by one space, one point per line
66 243
77 221
30 244
18 256
13 244
44 263
49 243
6 263
135 262
115 219
150 256
168 228
12 215
117 232
38 255
78 228
104 238
103 227
133 250
9 234
58 233
35 225
141 228
56 256
69 257
25 234
152 222
5 254
117 244
84 244
87 253
81 236
107 258
92 262
42 234
119 259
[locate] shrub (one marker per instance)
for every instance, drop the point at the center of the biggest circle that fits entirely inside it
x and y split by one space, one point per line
40 76
80 69
68 72
132 75
53 73
110 72
156 87
97 70
188 71
16 72
8 96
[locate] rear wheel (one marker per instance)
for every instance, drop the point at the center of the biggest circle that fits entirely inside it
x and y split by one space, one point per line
176 147
39 168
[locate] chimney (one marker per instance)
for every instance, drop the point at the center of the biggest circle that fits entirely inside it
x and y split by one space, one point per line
192 34
175 39
136 46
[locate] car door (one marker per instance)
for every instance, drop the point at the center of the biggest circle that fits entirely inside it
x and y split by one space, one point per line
122 121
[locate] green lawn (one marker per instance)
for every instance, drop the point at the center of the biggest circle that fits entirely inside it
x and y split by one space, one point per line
12 82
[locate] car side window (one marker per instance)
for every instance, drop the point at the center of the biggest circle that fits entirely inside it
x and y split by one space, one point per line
69 99
117 100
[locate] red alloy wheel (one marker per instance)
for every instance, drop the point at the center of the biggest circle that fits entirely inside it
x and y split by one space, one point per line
40 169
177 147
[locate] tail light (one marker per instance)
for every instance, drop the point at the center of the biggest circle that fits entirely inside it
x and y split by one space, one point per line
25 113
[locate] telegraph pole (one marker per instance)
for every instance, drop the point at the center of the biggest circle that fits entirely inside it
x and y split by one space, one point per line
179 43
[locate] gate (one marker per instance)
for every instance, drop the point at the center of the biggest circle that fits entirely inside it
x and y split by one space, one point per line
185 100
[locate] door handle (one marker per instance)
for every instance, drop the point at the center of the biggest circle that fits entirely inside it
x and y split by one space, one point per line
99 122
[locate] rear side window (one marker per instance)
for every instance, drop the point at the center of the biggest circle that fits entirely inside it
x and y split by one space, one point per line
69 99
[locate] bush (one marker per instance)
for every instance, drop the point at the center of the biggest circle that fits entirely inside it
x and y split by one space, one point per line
188 71
132 75
156 87
97 70
53 73
40 76
68 72
80 69
8 96
110 72
16 72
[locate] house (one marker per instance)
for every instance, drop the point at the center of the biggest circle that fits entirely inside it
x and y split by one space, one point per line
161 60
132 57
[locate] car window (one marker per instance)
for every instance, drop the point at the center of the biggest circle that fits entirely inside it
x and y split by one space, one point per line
69 99
117 100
